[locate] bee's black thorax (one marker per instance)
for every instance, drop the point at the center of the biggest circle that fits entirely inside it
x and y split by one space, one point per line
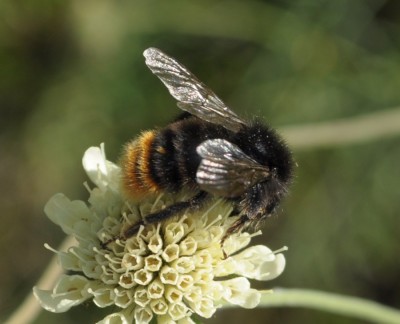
264 145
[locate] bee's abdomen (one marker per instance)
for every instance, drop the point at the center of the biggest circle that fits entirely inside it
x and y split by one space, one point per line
175 160
166 159
138 179
164 165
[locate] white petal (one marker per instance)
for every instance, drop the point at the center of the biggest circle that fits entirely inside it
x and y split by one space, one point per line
100 171
103 296
271 270
123 317
94 163
238 292
69 261
225 267
256 262
69 291
205 307
236 242
247 299
74 217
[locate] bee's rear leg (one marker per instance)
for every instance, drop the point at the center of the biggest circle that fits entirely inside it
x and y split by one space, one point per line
234 228
104 245
192 204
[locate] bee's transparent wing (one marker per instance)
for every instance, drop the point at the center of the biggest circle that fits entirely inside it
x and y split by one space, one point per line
193 96
225 170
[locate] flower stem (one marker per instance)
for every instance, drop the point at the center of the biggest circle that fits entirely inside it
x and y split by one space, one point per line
30 308
352 130
329 302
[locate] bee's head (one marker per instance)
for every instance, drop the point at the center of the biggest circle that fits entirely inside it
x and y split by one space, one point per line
263 198
264 145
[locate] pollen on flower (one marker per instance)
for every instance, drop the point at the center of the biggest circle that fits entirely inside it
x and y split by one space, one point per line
168 271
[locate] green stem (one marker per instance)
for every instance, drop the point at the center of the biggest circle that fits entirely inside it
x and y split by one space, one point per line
334 303
30 308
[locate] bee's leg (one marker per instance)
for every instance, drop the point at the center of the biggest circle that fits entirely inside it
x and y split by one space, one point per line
234 228
113 239
192 204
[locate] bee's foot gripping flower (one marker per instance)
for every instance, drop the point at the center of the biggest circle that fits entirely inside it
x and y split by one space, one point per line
169 270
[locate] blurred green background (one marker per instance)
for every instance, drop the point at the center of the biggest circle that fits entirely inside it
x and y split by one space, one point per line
73 76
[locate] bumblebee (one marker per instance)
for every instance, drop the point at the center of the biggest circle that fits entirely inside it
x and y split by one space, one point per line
209 150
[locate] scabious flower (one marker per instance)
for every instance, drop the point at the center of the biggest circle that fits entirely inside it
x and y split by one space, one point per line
167 271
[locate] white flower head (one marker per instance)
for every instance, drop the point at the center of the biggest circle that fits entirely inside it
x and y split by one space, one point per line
167 271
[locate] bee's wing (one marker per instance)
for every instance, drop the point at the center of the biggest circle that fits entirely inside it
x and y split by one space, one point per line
193 96
225 170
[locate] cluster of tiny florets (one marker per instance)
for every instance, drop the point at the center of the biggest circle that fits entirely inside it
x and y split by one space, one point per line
168 270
